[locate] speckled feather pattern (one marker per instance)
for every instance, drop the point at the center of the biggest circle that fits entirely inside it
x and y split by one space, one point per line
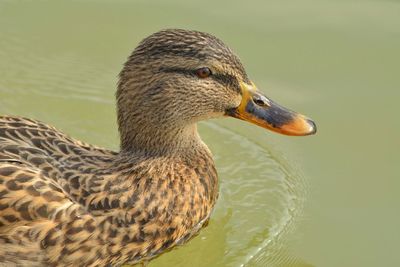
67 203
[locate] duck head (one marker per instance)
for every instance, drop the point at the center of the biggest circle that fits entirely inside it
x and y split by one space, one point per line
175 78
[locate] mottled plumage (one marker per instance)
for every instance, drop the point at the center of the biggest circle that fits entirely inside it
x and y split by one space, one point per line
67 203
63 200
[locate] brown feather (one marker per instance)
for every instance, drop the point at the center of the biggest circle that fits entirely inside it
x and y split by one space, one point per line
67 203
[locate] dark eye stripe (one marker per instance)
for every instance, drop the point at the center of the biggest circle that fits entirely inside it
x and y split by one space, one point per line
178 70
224 79
227 80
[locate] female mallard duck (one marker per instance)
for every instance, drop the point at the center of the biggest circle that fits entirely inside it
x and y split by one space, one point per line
64 202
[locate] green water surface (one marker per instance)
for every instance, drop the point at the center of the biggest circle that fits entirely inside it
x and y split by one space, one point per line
326 200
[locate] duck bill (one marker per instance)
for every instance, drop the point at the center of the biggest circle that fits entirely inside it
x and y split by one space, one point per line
256 108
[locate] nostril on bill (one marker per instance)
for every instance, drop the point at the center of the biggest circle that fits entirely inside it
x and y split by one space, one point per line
261 101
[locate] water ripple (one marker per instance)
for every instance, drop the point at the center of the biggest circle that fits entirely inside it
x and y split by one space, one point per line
260 194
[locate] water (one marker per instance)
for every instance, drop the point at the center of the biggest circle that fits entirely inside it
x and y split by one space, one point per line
327 200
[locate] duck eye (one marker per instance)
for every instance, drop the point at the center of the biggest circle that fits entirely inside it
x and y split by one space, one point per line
203 72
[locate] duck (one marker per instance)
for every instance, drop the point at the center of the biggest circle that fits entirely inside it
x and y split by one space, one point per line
64 202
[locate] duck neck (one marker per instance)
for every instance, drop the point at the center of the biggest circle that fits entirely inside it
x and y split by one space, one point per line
157 141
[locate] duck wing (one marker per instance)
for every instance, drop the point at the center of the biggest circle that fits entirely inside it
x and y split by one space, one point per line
35 213
39 218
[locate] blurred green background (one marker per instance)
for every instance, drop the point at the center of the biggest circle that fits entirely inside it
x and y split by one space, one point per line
326 200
